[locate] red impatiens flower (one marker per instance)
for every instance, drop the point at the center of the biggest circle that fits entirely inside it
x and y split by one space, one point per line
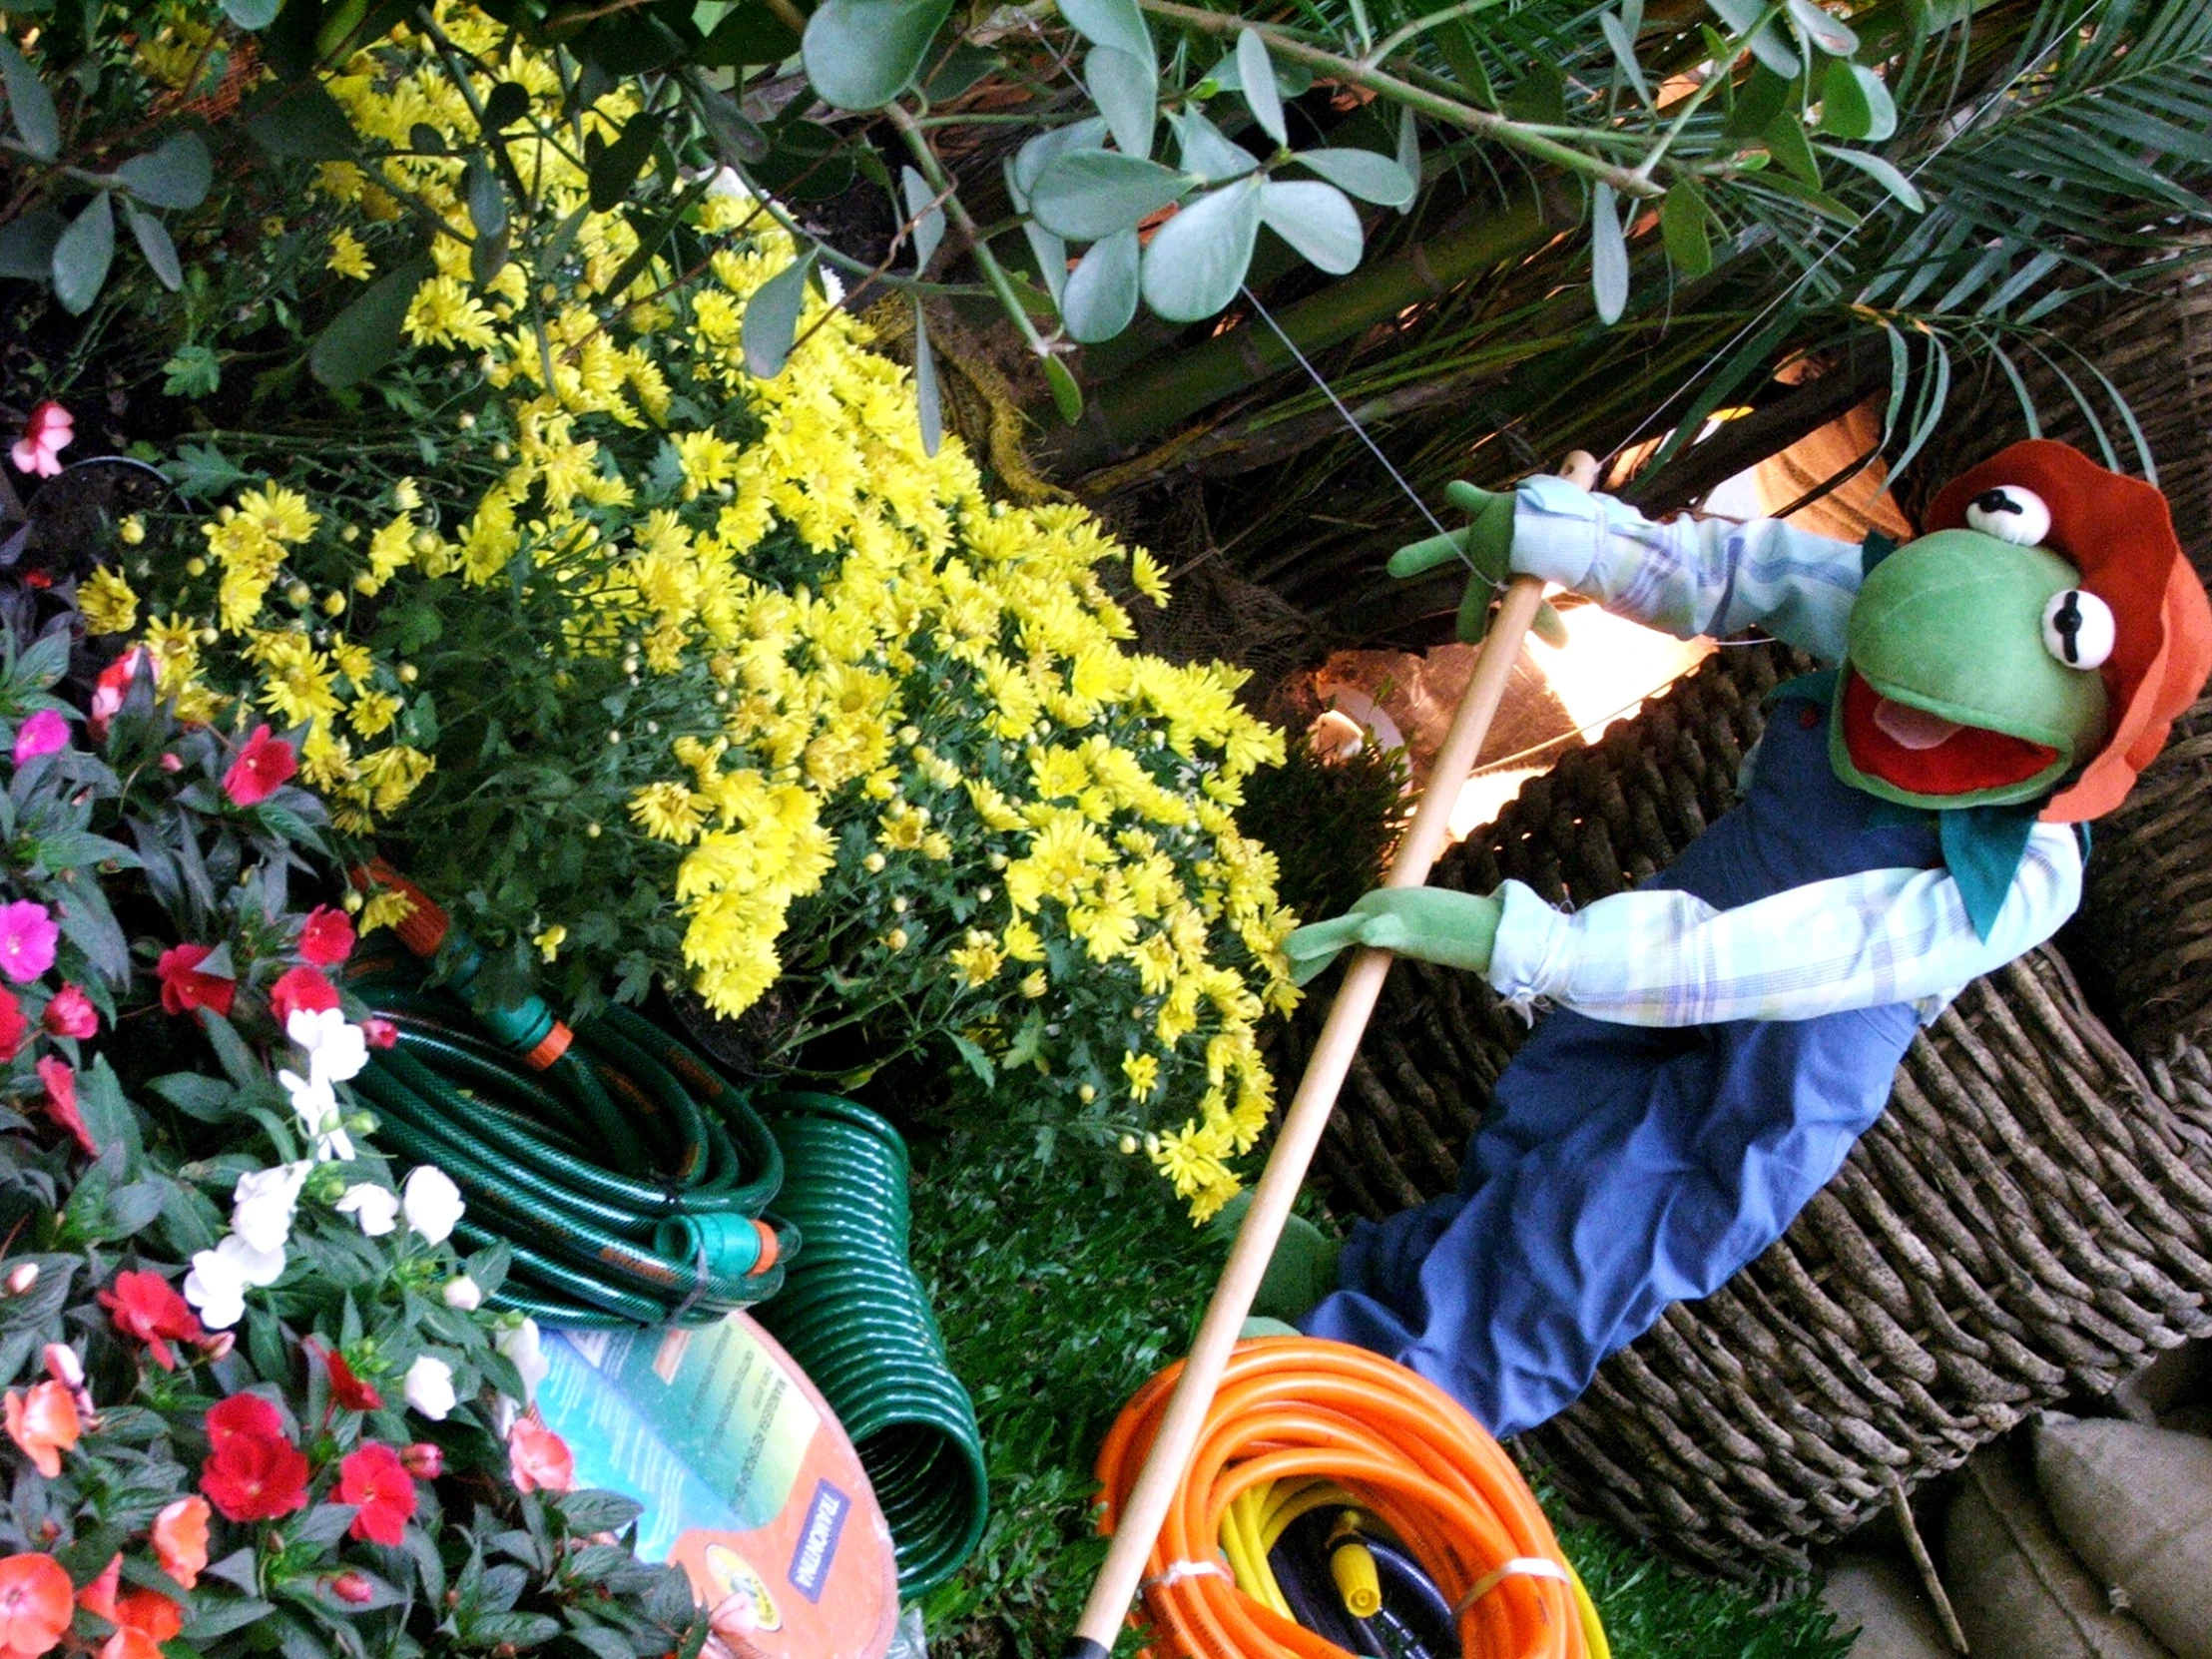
264 767
34 1604
326 938
50 430
61 1102
184 988
70 1013
539 1460
114 685
379 1481
376 1032
13 1026
253 1473
297 989
146 1306
346 1387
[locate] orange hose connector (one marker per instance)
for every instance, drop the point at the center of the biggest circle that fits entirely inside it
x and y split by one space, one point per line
1301 1409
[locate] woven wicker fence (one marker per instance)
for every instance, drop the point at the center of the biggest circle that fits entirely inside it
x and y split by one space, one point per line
2031 1219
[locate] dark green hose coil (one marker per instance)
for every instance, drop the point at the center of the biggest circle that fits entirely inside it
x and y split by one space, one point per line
853 1315
628 1177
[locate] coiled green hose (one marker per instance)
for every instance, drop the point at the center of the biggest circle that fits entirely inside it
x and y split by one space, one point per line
671 1233
853 1315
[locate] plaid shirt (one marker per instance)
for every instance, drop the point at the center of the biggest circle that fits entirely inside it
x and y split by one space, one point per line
1668 958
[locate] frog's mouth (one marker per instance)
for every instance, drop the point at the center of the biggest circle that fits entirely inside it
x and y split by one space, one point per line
1923 752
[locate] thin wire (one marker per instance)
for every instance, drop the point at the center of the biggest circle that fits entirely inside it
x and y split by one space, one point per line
1350 419
1958 131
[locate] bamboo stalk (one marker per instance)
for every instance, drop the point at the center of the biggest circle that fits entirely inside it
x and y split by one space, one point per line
1138 1526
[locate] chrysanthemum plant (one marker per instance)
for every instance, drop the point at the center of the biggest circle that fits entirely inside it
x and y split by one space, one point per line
696 662
252 1400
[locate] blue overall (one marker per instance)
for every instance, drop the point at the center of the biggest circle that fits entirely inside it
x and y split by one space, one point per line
1625 1167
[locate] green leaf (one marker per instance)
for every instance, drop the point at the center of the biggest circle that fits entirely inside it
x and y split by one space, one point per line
772 317
1126 91
251 14
193 371
154 242
750 34
487 203
1608 255
1882 172
1258 75
1855 104
1409 152
1364 174
1622 38
1316 218
977 1061
203 471
928 217
738 138
366 336
1091 193
206 1098
1045 148
1099 297
1763 96
1787 141
597 1512
1051 254
1457 42
83 256
1771 46
299 121
1067 396
506 104
964 68
37 123
1682 225
27 244
1206 151
928 405
1115 22
176 174
862 54
1539 96
1196 259
615 168
1827 33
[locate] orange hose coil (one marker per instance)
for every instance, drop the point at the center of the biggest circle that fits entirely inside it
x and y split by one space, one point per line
1297 1408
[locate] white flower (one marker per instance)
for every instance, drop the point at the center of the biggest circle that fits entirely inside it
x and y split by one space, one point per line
375 1207
430 1387
464 1293
317 1105
263 1206
221 1276
336 1050
433 1204
519 1343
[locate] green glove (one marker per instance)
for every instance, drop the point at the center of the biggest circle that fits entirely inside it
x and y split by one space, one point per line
1435 924
1485 547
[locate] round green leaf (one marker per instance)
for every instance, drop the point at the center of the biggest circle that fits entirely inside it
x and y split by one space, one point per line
487 203
771 321
1364 174
1067 396
175 174
154 242
1855 104
1088 195
1827 32
1409 152
1608 255
1115 22
1205 150
82 256
1682 225
860 54
928 218
506 104
1045 148
929 403
1051 254
1100 295
1883 172
1258 76
1126 91
301 121
366 336
1196 259
251 14
37 123
1315 218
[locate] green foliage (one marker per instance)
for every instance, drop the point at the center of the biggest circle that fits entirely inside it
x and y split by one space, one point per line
1332 824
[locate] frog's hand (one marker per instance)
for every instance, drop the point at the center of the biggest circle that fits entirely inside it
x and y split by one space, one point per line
1485 547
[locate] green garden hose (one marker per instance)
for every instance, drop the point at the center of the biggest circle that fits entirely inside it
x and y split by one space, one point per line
853 1315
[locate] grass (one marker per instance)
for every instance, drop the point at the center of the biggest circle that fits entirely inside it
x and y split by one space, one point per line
1058 1299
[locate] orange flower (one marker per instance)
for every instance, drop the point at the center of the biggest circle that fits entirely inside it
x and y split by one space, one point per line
130 1642
44 1424
34 1605
150 1614
181 1539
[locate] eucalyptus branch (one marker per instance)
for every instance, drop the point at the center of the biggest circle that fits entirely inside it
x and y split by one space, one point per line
1706 87
933 171
1389 43
1506 131
845 262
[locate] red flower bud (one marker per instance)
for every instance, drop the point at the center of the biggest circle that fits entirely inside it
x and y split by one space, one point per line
352 1587
379 1033
423 1460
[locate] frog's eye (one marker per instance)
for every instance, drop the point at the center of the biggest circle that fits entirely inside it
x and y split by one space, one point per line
2011 514
2078 628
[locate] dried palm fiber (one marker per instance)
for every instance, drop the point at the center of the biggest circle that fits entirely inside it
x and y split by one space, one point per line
2031 1219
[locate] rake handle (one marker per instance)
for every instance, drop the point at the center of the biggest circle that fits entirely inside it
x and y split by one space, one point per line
1138 1526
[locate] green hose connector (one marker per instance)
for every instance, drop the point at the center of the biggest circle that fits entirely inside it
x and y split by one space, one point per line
855 1317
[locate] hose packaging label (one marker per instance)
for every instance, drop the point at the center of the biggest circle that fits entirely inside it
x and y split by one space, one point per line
747 1481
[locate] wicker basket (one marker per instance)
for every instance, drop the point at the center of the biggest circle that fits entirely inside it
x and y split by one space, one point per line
2027 1222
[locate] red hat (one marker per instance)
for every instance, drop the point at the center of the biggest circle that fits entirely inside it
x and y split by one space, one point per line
2117 533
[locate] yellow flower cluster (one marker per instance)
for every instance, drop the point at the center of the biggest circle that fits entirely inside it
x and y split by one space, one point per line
949 689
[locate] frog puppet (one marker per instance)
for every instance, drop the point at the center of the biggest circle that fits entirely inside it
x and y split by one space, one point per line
1911 817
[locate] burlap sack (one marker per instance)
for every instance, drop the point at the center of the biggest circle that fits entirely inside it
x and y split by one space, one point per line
2019 1592
2134 1503
1883 1601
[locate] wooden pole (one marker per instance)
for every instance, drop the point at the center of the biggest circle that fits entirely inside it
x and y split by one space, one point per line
1138 1526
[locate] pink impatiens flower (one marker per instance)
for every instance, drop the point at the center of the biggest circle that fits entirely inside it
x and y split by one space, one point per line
42 734
114 684
51 430
70 1013
27 939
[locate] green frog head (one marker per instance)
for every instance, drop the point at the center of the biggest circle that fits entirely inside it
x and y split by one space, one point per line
1971 672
